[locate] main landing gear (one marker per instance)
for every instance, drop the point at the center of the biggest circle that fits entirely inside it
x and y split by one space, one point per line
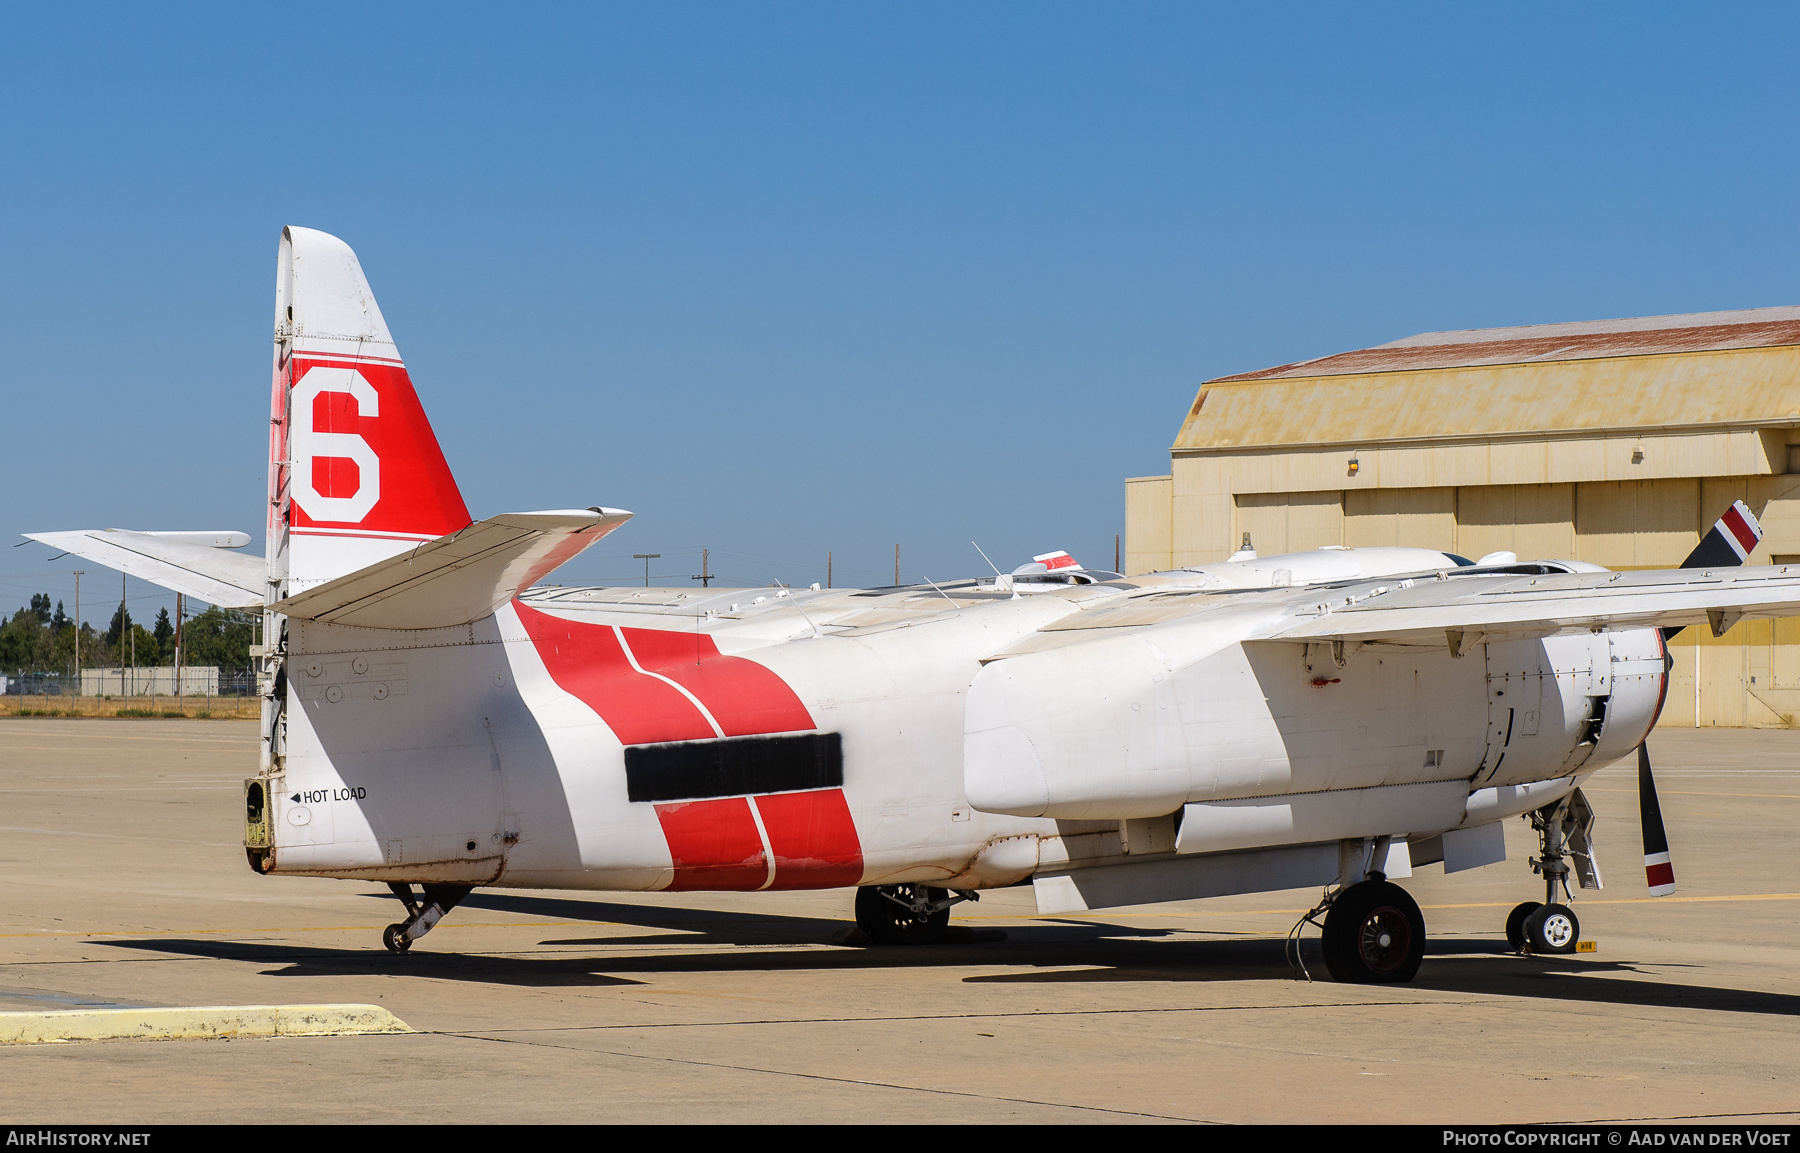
1549 926
1374 933
906 914
421 916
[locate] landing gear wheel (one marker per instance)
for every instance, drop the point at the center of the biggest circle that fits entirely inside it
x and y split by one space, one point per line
1552 929
1515 924
394 938
1374 935
898 914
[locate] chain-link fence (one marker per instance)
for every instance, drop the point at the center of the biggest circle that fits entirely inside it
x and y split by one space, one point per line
133 683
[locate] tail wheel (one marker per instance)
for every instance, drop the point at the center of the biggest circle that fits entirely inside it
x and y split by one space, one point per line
395 938
1552 929
1515 924
1374 934
901 914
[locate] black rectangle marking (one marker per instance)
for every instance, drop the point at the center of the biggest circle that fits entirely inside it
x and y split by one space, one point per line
734 767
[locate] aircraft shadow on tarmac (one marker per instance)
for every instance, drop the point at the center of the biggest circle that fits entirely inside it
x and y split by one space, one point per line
1057 951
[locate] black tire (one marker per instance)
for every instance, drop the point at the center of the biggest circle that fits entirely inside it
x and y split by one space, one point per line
889 923
1552 930
1374 935
1515 924
395 939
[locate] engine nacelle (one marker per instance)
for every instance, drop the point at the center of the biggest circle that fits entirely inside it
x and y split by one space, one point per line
1560 704
1139 725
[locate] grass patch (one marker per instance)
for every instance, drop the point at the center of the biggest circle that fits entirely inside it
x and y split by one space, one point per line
96 708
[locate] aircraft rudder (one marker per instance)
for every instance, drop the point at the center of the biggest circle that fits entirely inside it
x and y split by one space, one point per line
356 473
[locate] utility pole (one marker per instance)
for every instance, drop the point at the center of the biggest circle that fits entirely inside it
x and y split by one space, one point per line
180 613
646 557
896 565
1116 567
705 577
120 655
78 573
827 568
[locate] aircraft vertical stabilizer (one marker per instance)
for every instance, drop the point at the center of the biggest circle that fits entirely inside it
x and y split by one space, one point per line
355 472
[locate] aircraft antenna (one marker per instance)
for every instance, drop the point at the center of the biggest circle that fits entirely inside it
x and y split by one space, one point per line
984 556
941 592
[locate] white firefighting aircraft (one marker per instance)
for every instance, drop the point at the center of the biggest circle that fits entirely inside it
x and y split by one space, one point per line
433 715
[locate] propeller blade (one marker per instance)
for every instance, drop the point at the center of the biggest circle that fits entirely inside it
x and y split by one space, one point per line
1659 870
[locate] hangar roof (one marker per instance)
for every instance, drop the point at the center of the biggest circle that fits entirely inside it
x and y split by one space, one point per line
1579 340
1706 369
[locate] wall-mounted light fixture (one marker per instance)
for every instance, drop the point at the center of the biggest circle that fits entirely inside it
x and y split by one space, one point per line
1637 454
1354 465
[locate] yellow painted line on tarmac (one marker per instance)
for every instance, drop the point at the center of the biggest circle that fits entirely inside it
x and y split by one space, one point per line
1672 793
324 929
1647 900
206 1021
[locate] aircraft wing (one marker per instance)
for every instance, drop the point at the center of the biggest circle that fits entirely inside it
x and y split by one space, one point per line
1426 611
457 578
183 562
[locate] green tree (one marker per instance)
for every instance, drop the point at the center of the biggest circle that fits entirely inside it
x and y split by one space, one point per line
165 634
93 646
40 607
121 620
21 642
143 647
219 637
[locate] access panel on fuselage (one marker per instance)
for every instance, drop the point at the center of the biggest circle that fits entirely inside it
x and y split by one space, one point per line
1387 715
419 750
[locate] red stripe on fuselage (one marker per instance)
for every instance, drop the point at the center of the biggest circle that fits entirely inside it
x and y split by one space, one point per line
587 661
714 845
743 696
813 838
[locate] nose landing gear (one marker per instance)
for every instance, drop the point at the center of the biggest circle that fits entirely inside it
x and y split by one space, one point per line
421 916
1549 926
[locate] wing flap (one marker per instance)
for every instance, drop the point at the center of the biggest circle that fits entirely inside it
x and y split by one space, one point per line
176 561
457 578
1507 608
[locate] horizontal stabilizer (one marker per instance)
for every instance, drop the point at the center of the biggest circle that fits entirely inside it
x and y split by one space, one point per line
457 578
199 564
1515 607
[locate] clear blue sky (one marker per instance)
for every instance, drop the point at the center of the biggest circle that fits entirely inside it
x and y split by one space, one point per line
785 278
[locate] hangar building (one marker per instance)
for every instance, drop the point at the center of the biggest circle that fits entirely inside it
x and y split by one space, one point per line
1613 441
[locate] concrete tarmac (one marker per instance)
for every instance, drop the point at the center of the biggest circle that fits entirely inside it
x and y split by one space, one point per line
125 885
